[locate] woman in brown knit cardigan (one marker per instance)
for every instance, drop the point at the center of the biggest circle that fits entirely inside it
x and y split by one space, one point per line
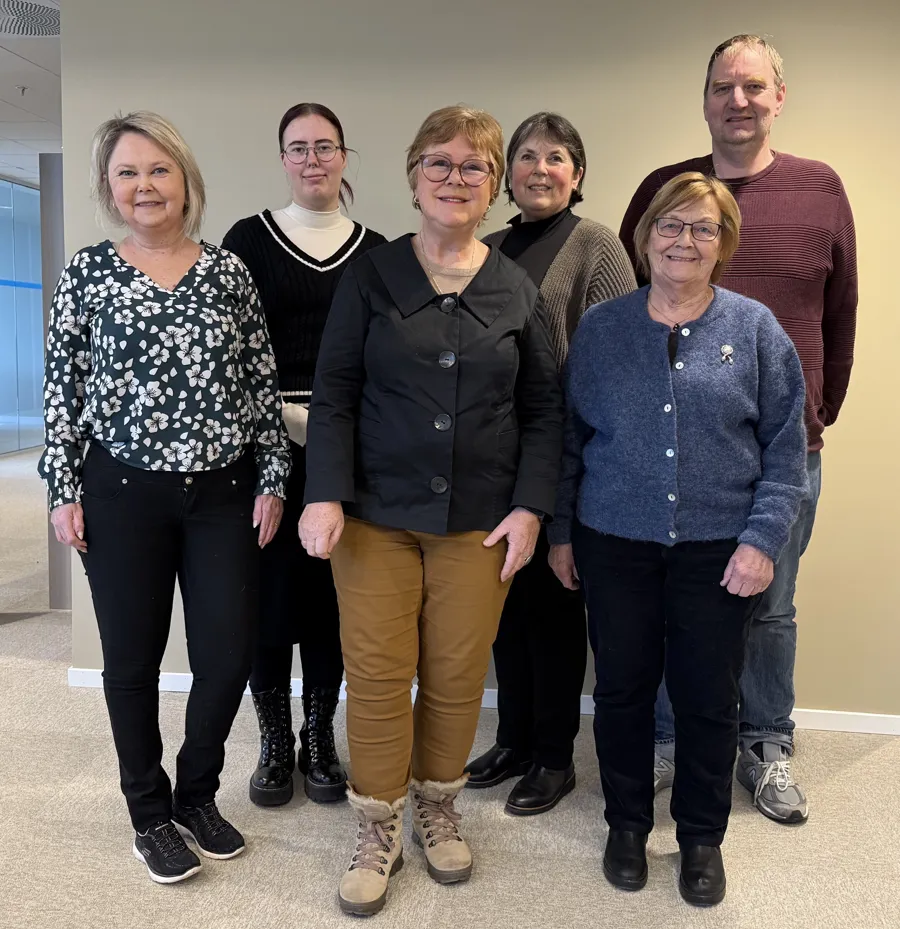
541 649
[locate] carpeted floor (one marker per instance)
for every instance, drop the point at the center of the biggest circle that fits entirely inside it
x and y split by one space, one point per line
65 859
65 856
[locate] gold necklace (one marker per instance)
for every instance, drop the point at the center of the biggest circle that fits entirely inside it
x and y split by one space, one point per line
671 319
429 269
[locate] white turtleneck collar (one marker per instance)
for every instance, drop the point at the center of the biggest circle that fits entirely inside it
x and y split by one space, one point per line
320 235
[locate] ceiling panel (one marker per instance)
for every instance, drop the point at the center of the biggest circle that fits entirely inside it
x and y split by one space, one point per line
13 148
31 130
42 52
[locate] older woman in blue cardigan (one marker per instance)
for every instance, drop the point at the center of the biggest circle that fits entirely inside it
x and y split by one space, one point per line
684 469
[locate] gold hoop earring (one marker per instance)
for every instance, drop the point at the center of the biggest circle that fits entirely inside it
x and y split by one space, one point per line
416 204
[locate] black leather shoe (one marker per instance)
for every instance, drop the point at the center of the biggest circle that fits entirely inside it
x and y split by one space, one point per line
272 783
495 766
625 859
540 790
702 880
325 777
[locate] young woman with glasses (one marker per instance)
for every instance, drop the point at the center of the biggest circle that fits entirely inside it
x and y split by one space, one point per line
296 257
435 436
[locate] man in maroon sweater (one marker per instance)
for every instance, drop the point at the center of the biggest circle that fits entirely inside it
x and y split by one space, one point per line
798 257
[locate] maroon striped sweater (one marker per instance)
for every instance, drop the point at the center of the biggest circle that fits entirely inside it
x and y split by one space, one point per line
798 257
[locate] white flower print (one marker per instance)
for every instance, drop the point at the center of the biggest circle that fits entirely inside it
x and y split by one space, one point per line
149 393
196 377
157 422
189 353
127 360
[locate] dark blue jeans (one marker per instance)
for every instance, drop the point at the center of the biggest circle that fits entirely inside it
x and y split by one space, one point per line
767 684
651 605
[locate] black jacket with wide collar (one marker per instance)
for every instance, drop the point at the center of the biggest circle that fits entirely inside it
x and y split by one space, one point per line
434 412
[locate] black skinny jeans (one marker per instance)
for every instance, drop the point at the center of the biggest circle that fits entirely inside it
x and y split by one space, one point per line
144 530
298 603
651 606
540 657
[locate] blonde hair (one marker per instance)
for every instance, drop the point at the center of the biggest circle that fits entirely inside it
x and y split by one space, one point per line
160 131
478 126
736 43
684 190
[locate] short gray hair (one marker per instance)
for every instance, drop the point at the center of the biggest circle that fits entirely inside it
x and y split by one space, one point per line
169 139
746 40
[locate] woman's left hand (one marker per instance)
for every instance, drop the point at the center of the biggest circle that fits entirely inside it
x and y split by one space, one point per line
521 529
267 511
749 572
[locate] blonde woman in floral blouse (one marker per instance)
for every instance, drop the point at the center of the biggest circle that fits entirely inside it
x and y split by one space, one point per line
159 358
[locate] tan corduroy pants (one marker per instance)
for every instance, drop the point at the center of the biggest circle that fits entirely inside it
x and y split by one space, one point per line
414 603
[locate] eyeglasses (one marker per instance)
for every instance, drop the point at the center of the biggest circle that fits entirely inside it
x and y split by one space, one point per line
670 228
325 151
474 172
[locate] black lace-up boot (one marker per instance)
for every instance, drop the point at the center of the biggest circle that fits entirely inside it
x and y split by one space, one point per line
326 780
272 782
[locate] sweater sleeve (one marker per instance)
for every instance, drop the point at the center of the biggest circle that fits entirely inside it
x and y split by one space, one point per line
839 313
340 369
782 441
68 365
613 275
539 407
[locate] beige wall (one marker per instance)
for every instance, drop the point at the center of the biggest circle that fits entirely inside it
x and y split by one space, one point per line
630 76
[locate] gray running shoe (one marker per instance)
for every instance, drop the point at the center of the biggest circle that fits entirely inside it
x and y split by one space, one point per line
663 773
769 779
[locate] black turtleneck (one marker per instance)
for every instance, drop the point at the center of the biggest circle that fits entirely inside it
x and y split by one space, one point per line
535 245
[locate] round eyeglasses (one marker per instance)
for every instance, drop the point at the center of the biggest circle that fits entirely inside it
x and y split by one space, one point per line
473 171
325 151
670 228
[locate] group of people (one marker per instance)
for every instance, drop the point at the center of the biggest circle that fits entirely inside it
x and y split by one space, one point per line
468 444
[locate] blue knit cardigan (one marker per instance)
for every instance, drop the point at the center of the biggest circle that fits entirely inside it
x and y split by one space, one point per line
712 447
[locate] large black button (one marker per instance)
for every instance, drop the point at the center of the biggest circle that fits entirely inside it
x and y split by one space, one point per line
442 422
439 485
447 359
448 304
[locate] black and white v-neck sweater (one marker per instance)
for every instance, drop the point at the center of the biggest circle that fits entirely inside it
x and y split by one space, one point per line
296 292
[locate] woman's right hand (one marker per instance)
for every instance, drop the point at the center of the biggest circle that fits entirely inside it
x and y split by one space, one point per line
68 522
562 561
320 528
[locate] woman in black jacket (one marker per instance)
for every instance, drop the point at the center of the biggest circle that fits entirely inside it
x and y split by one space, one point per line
434 434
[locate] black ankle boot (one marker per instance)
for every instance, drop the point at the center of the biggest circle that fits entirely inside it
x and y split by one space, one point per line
702 880
326 780
625 859
540 790
495 766
272 783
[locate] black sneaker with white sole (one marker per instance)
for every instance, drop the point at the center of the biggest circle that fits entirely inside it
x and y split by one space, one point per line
214 836
163 851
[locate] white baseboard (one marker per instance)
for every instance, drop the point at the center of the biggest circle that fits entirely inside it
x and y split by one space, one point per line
828 720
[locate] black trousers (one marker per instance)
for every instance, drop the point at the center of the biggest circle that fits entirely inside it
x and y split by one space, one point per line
540 656
648 606
144 530
298 603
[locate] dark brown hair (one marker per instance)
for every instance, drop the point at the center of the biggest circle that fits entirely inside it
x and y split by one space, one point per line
299 110
553 128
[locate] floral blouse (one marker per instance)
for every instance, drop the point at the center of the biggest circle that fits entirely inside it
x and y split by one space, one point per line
165 380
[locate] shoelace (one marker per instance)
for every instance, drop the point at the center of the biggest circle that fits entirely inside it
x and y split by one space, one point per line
439 818
168 840
212 819
372 842
777 772
276 744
